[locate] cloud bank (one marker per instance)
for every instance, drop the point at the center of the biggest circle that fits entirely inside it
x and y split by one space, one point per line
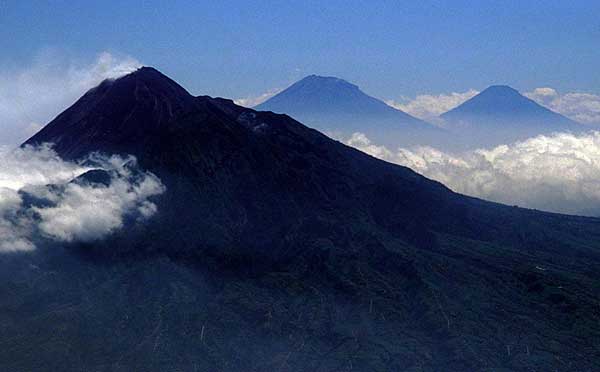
582 107
34 95
43 197
558 173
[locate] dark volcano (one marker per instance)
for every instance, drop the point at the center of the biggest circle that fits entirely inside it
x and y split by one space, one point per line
118 114
276 247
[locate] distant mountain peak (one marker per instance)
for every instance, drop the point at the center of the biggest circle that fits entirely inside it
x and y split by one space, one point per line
338 107
321 81
333 104
503 101
315 77
501 89
500 114
321 93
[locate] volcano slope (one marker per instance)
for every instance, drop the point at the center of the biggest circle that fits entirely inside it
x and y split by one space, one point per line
277 248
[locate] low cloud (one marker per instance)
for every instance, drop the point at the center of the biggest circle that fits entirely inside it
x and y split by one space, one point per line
582 107
32 96
256 100
43 197
364 144
558 173
430 106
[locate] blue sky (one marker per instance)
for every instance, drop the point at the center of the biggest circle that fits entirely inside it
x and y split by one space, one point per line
391 49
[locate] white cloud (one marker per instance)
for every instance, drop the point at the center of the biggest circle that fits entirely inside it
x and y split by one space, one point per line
26 167
256 100
559 173
34 95
68 211
430 106
361 142
13 226
582 107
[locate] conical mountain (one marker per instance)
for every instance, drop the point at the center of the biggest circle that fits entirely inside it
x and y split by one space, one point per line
336 106
501 114
275 246
324 95
117 114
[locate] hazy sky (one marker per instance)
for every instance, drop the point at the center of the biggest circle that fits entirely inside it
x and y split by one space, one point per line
389 48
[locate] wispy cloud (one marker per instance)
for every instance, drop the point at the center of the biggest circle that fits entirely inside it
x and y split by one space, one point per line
559 173
41 196
582 107
430 106
32 96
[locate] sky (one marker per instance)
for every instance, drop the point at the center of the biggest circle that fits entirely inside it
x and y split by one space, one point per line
392 49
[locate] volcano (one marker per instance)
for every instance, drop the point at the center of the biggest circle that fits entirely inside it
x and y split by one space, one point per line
500 114
276 247
335 106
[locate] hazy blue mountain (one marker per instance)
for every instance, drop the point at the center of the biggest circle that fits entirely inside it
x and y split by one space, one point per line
338 107
501 114
278 248
323 95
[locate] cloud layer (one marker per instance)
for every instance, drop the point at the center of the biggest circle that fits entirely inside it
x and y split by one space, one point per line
582 107
559 173
43 197
34 95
